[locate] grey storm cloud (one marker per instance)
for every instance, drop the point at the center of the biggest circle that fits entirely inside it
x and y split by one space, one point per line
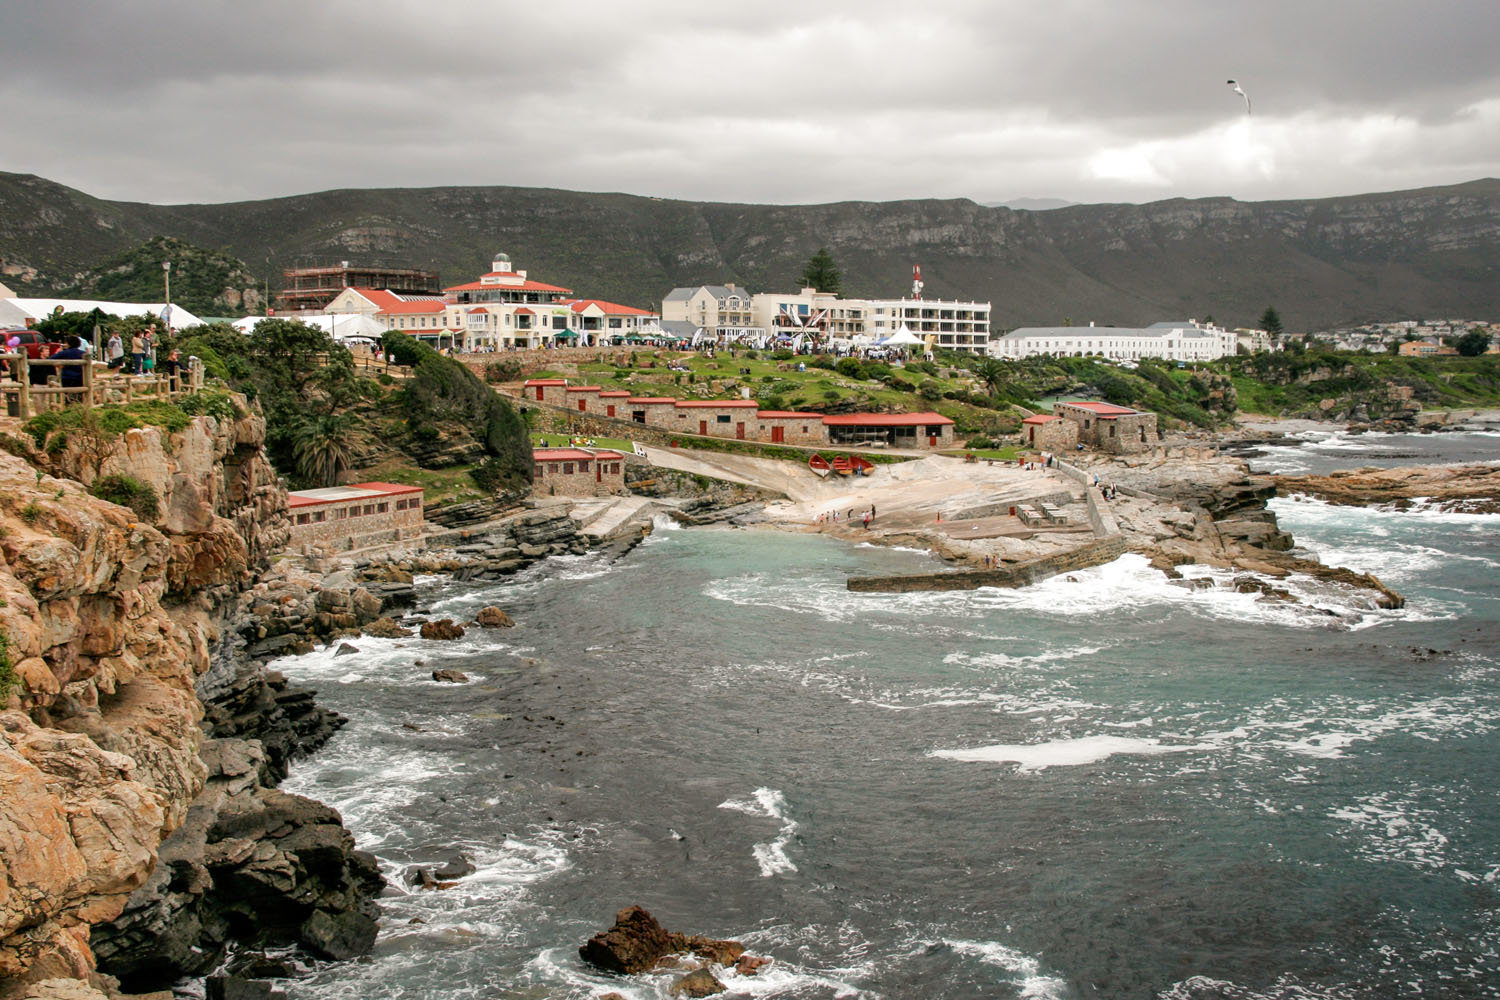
777 101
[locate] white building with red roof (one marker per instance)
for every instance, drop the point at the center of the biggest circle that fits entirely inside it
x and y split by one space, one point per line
425 317
506 308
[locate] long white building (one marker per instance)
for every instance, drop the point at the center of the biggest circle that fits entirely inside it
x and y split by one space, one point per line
1172 341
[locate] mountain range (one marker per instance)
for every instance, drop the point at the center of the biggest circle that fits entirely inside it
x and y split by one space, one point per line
1321 263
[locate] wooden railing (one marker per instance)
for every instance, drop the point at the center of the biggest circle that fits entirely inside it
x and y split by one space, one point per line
25 395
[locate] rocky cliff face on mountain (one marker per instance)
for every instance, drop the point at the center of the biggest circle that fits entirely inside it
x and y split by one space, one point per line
1321 262
112 624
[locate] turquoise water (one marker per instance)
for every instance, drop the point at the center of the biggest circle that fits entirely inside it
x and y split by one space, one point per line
1108 786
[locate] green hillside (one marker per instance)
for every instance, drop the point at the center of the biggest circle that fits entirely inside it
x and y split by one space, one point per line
1323 263
205 282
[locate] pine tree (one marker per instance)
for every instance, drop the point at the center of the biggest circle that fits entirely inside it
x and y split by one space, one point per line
821 273
1270 321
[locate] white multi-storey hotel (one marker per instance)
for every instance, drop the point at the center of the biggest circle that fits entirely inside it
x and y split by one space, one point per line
730 313
1185 340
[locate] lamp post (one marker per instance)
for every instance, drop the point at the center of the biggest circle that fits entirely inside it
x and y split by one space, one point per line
166 277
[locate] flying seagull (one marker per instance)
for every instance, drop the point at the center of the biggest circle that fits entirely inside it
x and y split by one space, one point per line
1236 88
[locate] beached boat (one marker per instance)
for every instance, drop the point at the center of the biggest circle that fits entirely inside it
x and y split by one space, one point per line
842 464
862 466
818 464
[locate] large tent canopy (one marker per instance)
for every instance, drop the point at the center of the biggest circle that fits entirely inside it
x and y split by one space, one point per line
339 326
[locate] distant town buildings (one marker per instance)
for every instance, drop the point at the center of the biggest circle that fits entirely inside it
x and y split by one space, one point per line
1423 349
503 309
1186 340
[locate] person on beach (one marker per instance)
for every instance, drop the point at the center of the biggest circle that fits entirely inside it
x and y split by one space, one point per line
867 522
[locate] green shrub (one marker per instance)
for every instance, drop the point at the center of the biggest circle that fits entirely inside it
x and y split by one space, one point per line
931 390
128 491
831 395
782 354
751 355
7 668
850 368
31 512
502 371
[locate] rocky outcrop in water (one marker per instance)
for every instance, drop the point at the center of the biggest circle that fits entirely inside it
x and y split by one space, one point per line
1472 489
638 943
497 549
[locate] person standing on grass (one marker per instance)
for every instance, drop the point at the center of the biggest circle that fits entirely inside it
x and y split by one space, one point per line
137 352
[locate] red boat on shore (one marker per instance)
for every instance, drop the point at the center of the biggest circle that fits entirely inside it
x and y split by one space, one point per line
818 464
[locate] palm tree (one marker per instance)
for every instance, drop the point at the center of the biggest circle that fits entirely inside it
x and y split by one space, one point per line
320 447
992 373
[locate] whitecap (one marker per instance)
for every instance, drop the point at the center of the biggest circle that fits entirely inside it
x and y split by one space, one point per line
771 803
1062 753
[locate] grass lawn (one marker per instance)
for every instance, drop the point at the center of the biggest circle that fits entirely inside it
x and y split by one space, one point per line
438 485
563 441
1008 453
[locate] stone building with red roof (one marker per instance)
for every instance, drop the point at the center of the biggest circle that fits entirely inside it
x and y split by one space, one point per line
356 517
1118 430
577 472
1049 432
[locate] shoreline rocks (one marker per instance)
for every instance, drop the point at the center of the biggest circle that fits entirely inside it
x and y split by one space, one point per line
1470 489
637 943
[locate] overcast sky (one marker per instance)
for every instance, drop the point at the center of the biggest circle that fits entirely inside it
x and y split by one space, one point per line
769 101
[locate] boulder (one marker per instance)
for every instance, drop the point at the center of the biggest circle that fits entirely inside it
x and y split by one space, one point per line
445 629
702 983
494 618
345 649
450 676
386 628
239 988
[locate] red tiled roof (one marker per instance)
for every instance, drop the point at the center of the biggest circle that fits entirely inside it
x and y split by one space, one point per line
416 306
585 388
621 393
1103 409
1041 418
571 455
520 286
717 403
528 312
787 414
612 308
375 490
652 399
885 419
546 381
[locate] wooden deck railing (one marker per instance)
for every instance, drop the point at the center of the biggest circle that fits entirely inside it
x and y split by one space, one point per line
35 385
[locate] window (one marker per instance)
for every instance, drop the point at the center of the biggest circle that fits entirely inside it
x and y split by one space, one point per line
369 508
384 508
552 468
722 418
301 518
536 471
318 517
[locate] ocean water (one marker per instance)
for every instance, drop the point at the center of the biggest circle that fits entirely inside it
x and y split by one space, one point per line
1104 786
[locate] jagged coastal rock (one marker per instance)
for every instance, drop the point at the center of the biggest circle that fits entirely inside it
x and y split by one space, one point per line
1472 489
126 802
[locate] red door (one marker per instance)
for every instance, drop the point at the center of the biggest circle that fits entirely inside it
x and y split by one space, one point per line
583 404
703 427
598 472
932 441
778 434
739 430
538 394
610 411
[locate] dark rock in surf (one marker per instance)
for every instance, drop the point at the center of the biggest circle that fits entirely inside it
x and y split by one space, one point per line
447 628
450 676
493 617
637 942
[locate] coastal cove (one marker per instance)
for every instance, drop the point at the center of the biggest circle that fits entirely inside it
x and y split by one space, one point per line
1112 785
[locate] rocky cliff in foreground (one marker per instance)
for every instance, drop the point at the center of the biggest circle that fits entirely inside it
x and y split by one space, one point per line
115 799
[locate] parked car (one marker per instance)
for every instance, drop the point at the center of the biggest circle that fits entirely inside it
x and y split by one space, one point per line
35 344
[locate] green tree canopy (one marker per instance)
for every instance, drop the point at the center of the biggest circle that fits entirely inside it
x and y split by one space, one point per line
1270 321
822 273
1473 343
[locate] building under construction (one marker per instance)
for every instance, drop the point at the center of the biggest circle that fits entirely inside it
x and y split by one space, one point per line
309 289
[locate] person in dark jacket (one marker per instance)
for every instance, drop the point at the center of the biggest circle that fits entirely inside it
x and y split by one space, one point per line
71 376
